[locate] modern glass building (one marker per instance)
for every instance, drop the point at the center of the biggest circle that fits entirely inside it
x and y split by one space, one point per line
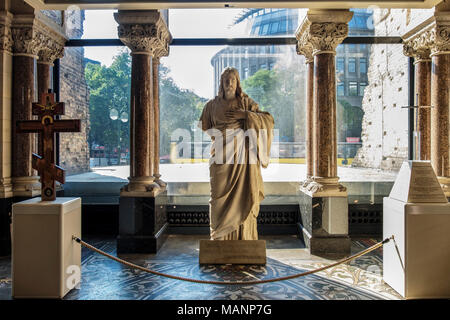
351 62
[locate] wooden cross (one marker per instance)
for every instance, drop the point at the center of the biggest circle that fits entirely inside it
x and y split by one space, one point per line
47 126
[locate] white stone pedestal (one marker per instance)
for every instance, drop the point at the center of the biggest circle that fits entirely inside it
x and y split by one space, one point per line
45 260
417 263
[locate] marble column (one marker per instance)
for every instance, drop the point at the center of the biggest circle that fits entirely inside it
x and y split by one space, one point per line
418 47
305 48
31 36
323 201
142 218
423 92
26 47
6 191
156 173
6 58
440 98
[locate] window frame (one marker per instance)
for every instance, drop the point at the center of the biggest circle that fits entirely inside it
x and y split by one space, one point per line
270 41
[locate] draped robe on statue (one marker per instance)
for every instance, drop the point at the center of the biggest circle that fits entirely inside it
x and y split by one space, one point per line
235 173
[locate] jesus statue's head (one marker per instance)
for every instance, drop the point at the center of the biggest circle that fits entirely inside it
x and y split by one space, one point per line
225 86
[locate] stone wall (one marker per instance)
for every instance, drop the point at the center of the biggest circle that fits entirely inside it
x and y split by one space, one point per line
74 149
385 123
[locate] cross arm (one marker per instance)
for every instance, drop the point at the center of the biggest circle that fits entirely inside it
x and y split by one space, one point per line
67 126
28 126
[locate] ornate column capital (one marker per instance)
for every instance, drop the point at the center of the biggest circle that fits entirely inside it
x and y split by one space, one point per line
326 36
144 32
6 40
440 35
323 30
431 37
304 46
419 47
35 38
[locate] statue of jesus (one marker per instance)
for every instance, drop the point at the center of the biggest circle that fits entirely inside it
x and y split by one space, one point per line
241 136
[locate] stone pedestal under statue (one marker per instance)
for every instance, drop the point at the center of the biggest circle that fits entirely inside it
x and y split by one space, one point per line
142 224
45 260
417 263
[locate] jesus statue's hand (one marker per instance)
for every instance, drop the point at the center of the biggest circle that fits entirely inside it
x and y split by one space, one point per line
236 114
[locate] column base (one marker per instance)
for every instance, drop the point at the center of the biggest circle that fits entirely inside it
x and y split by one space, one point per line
6 188
160 182
323 187
141 244
330 246
445 184
142 224
324 223
26 186
142 187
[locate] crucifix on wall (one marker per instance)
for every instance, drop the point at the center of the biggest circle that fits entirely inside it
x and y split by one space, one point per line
46 126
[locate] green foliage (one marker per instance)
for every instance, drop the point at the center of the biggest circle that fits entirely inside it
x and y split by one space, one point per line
348 119
109 88
180 109
274 92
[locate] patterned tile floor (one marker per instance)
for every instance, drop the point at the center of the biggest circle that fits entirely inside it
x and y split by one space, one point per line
104 279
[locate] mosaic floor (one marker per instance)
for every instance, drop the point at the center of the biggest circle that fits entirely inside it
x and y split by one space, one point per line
105 279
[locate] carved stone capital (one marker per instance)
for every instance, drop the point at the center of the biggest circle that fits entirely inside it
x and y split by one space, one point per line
34 37
322 31
419 47
304 46
440 36
327 36
144 34
430 37
52 50
6 40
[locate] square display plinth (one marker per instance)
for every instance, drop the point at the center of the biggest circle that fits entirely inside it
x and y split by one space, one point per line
417 263
324 225
44 255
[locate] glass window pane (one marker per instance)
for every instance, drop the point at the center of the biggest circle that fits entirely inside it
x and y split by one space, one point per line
362 86
372 127
231 22
279 90
100 96
340 65
362 65
99 24
341 89
351 65
352 88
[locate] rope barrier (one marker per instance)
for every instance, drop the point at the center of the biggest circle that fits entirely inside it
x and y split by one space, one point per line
251 282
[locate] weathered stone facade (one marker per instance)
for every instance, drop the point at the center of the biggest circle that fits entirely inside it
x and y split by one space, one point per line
385 123
74 149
